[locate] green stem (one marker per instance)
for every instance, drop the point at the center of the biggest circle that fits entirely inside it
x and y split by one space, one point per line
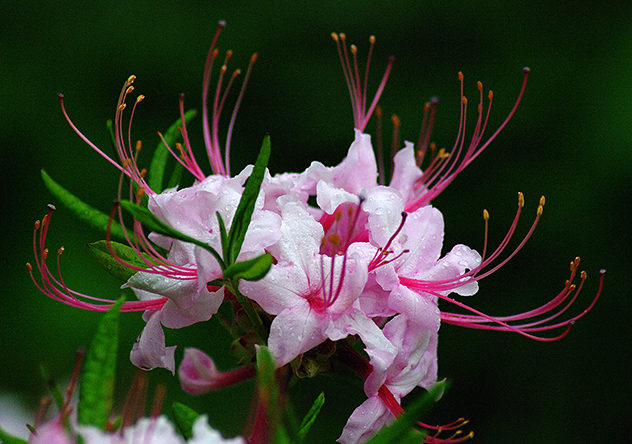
250 311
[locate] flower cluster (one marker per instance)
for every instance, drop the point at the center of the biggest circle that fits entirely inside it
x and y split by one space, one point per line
345 256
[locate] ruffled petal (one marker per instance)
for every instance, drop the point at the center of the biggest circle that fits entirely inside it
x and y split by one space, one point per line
149 350
366 421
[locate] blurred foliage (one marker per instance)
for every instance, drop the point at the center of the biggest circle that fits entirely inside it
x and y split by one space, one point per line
571 140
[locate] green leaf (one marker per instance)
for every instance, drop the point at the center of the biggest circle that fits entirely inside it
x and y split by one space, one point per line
103 256
161 155
251 270
246 207
85 212
184 418
10 439
96 394
402 430
152 223
309 419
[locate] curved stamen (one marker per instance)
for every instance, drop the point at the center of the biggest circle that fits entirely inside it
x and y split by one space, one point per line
387 398
155 263
210 122
552 309
434 180
382 253
55 287
357 91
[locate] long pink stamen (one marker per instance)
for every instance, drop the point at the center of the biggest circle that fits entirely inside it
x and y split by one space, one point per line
55 287
211 122
436 179
211 149
357 91
480 320
388 399
155 263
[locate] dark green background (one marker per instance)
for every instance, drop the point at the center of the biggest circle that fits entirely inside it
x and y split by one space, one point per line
571 140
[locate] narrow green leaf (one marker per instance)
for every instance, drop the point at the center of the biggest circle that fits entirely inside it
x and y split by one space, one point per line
176 175
152 223
85 212
96 394
246 207
251 270
309 419
184 418
402 430
223 234
161 155
10 439
103 256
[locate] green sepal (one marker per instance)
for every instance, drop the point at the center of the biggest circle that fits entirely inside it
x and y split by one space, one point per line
184 417
161 155
152 223
310 417
250 270
246 207
96 394
109 124
85 212
402 430
103 256
56 391
10 439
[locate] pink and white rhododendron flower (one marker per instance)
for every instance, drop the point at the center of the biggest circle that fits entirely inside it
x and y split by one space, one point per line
355 279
